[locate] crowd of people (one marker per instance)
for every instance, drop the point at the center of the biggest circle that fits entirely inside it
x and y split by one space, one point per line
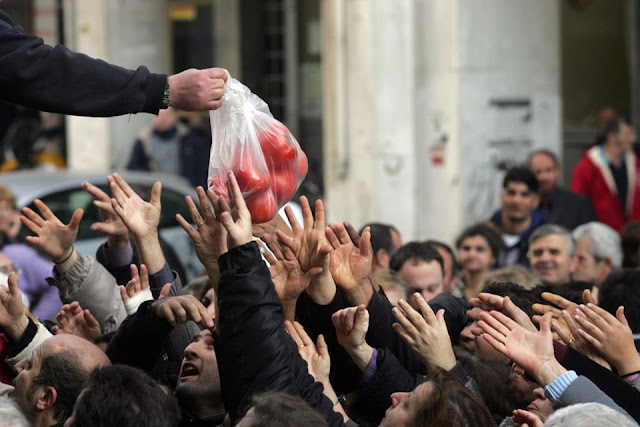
529 319
533 319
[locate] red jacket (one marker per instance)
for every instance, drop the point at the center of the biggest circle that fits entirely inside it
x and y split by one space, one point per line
593 178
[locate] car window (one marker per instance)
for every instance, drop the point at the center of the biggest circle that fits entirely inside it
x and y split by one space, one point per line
173 203
64 203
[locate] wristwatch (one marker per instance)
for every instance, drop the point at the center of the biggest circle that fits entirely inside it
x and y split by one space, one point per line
165 97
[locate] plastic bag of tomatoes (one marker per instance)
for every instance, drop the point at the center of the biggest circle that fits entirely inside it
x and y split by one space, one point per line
264 156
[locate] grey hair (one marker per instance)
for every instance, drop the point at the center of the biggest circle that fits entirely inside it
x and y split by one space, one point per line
10 414
589 415
549 229
604 241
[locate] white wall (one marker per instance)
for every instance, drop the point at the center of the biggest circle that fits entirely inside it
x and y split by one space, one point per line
367 112
128 33
412 135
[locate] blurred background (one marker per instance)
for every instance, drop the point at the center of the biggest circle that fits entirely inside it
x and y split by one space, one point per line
409 110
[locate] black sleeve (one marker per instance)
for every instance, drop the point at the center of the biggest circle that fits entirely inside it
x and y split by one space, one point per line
586 211
382 335
59 80
625 395
254 352
316 319
122 274
138 340
390 377
138 161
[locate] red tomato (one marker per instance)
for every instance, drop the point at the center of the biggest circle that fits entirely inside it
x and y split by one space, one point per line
303 165
219 185
277 145
263 207
251 179
284 185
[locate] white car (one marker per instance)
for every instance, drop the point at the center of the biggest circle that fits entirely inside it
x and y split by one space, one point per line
62 192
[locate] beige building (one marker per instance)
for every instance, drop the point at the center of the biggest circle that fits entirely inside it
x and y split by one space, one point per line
409 110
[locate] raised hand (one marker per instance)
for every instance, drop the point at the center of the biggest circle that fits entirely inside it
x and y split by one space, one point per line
235 219
318 361
351 326
209 237
533 351
350 265
111 224
73 320
563 304
286 274
140 217
270 227
309 245
137 289
52 236
572 338
610 336
426 334
353 233
180 309
13 317
488 302
317 357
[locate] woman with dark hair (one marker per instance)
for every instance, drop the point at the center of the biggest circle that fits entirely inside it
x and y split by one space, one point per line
441 401
478 252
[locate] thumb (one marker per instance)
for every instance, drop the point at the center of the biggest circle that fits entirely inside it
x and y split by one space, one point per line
321 346
123 294
156 192
366 250
91 321
362 318
166 290
75 219
587 297
14 290
621 317
545 323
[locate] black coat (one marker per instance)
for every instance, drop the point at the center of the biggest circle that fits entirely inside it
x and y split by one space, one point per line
59 80
569 209
255 353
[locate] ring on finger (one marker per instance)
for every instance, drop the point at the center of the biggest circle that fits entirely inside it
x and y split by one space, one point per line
200 224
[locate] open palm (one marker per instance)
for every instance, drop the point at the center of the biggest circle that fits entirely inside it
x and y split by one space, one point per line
140 217
349 265
52 235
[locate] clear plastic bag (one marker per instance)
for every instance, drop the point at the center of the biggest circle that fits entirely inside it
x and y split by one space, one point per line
264 156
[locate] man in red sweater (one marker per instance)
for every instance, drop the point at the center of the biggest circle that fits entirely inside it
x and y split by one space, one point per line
608 174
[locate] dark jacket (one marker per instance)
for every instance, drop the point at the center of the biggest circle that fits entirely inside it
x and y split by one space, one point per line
151 344
345 376
58 80
522 245
568 209
255 353
193 152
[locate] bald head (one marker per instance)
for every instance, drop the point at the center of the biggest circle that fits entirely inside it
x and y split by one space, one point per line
88 355
48 384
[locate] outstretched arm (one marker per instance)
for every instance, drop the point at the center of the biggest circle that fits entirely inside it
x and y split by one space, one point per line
58 80
255 354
